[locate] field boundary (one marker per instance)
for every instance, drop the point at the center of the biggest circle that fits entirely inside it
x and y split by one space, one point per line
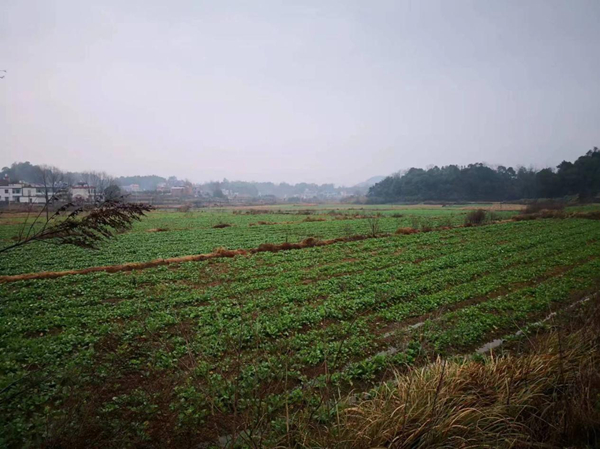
227 253
218 253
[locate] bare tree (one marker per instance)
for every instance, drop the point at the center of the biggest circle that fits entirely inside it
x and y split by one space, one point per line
51 179
98 182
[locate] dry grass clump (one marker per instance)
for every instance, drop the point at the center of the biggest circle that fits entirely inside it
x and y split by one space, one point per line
263 223
542 209
541 214
306 243
406 231
157 230
591 215
224 252
310 219
547 397
546 213
545 205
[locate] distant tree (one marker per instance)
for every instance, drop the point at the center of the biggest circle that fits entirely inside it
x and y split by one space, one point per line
145 182
21 171
51 178
478 182
97 182
218 193
112 193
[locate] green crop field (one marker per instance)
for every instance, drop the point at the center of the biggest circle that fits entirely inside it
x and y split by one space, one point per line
188 354
171 234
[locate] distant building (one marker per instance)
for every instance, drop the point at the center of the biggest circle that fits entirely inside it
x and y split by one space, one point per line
10 192
36 194
83 192
13 192
132 188
177 191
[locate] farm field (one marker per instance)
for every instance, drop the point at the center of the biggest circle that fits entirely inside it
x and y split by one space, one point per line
190 354
171 234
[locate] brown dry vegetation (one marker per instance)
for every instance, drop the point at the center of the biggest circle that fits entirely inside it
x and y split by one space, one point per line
406 231
557 213
217 253
545 392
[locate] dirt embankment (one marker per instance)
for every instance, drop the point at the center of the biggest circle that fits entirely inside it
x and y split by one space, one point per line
217 253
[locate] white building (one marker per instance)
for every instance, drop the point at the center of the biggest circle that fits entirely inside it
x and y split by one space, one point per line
132 188
36 193
10 192
83 192
33 194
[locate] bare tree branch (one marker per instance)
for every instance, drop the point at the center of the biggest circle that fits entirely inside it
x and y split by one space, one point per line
71 225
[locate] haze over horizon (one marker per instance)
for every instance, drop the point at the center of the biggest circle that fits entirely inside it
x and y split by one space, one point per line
326 92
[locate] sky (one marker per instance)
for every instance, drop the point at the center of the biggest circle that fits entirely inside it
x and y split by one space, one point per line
315 91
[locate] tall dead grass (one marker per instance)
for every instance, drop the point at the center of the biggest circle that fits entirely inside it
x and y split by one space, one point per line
546 397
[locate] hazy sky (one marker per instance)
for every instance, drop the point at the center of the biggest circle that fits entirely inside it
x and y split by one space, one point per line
319 91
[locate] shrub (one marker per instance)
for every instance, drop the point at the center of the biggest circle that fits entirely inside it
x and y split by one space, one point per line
475 217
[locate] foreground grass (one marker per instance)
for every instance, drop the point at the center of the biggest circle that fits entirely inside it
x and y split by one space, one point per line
544 392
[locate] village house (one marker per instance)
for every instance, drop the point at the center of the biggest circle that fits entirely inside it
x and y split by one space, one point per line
83 192
20 192
10 192
132 188
34 194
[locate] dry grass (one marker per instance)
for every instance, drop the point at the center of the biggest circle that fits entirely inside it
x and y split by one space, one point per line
157 230
546 205
548 213
264 223
406 231
548 396
217 253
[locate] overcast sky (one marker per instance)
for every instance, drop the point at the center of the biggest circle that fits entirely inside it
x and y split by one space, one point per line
317 91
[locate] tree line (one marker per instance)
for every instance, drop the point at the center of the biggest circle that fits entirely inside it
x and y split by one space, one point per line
52 176
479 182
48 175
